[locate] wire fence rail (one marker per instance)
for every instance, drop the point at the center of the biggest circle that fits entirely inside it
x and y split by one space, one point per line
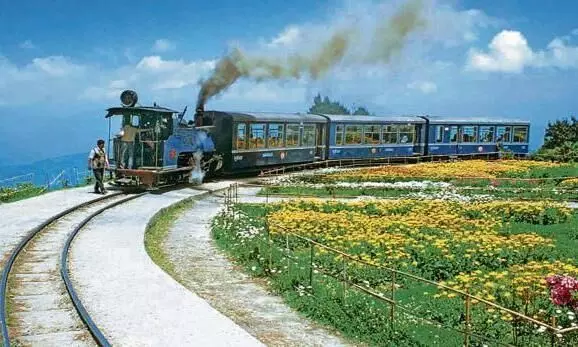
29 184
568 195
519 323
393 161
397 160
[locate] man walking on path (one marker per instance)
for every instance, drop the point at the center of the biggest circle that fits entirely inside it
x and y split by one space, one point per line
98 161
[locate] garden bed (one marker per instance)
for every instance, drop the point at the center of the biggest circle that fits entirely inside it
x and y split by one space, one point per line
340 263
473 179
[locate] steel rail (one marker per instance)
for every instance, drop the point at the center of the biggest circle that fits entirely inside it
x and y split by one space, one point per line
84 315
16 251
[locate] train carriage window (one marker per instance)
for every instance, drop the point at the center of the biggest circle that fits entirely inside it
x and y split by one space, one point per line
309 135
454 134
353 134
406 133
469 134
339 135
390 134
439 136
504 134
292 136
241 136
520 134
371 134
486 134
275 136
257 136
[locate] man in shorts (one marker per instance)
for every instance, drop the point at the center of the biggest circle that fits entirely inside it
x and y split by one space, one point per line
98 161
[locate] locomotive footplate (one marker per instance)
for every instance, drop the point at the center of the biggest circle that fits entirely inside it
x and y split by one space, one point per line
146 177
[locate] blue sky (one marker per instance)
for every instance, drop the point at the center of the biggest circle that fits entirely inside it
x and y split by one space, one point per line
63 62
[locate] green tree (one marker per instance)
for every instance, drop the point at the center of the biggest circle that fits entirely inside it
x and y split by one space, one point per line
324 105
362 111
560 141
561 131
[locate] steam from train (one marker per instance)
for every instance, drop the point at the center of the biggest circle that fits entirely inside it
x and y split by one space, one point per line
388 38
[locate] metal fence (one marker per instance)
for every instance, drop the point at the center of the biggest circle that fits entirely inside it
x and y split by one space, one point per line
519 322
398 160
17 180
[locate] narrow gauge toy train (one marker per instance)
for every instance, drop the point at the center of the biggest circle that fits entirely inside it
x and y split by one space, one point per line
168 149
255 141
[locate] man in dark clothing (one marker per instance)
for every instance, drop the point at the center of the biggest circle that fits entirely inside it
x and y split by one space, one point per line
98 161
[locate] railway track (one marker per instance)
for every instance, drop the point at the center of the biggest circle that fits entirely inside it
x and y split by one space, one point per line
38 304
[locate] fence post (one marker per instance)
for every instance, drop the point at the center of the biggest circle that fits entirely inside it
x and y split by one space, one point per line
553 333
515 330
392 307
344 279
287 250
467 322
269 245
311 265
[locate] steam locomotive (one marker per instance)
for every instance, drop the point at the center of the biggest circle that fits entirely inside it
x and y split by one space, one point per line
168 149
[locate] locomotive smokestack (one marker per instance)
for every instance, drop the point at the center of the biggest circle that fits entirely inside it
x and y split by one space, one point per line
199 112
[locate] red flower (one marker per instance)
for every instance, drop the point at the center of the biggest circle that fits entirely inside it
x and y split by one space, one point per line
563 290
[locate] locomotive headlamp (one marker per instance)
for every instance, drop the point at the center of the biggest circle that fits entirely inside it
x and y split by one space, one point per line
128 98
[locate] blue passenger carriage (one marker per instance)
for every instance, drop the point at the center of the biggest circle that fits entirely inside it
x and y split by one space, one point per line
252 141
366 137
453 136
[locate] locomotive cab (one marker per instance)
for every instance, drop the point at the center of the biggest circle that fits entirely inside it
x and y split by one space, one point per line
155 146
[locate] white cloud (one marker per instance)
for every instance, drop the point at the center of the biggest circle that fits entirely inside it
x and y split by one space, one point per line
454 28
425 87
561 55
43 79
27 45
150 74
510 52
163 45
57 66
289 37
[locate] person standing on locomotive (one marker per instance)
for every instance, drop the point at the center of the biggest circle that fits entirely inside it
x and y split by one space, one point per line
128 135
98 161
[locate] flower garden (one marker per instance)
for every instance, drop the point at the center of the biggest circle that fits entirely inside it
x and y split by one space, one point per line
472 179
417 272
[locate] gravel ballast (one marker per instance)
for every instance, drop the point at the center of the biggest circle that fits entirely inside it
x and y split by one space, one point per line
129 297
42 313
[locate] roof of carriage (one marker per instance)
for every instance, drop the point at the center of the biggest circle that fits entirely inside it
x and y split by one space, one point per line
272 117
475 120
139 109
373 119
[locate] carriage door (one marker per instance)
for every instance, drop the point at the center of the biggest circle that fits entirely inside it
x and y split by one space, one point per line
453 139
320 142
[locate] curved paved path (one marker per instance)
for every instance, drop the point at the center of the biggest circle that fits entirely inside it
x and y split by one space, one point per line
129 297
202 268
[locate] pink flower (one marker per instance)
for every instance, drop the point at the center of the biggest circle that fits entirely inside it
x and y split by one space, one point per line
563 290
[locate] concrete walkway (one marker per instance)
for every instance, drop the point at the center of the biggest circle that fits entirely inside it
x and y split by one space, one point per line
202 268
129 297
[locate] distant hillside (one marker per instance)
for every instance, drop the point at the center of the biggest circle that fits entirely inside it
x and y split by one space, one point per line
47 169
